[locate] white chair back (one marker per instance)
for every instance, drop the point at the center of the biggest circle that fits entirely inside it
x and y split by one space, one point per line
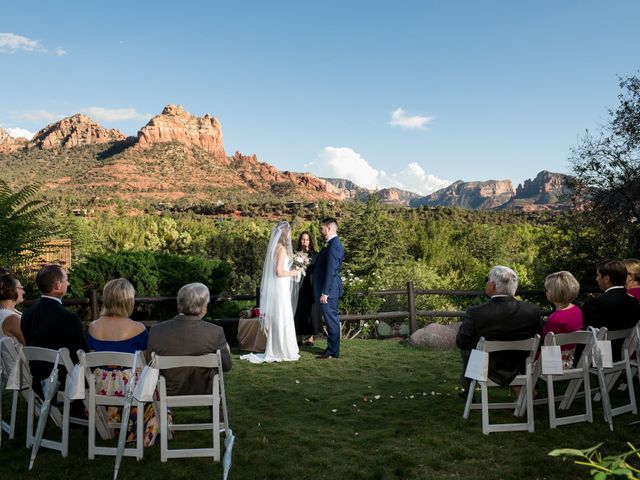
213 400
97 403
523 382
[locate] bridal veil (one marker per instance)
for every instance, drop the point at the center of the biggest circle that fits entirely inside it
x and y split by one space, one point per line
280 235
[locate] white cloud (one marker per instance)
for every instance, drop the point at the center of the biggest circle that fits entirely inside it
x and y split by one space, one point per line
116 114
20 132
415 179
11 43
399 118
38 116
343 162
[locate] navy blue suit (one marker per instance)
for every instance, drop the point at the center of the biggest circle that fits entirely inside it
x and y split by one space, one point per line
327 281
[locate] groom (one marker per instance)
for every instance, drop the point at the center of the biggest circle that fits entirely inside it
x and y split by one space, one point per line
327 285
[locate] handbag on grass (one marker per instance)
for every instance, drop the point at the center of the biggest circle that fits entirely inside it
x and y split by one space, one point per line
147 383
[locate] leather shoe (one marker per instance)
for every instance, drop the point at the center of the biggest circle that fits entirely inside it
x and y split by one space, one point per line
323 352
324 357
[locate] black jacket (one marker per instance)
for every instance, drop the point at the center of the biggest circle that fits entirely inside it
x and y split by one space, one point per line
616 310
48 324
502 318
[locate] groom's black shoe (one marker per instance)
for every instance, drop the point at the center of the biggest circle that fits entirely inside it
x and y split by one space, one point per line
324 357
323 352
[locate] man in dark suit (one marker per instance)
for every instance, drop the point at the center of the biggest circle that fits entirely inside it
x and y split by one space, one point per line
502 318
188 334
48 324
327 284
615 308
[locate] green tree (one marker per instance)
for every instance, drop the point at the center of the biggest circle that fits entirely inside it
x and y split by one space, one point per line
24 226
607 165
371 239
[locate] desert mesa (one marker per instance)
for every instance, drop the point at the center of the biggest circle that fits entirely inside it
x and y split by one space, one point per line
180 157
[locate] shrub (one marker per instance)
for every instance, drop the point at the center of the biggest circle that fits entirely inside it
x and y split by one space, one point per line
151 273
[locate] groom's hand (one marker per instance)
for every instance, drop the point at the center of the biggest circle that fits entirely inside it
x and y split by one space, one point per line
324 298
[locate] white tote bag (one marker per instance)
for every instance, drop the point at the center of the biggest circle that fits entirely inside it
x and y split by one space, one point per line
478 366
602 353
75 385
147 383
551 360
16 379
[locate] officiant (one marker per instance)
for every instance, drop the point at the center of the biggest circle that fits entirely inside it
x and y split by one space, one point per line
308 317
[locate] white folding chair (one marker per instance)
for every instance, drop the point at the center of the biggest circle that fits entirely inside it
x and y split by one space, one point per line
96 402
47 355
101 420
524 381
608 376
635 361
577 377
212 361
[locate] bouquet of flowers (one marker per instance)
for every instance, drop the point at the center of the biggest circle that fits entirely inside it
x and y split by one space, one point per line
301 261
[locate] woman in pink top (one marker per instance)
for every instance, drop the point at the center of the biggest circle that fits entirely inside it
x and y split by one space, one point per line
562 288
633 277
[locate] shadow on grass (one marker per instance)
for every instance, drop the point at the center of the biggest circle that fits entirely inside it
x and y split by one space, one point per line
384 410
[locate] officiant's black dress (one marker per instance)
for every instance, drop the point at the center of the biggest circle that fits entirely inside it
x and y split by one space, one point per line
308 317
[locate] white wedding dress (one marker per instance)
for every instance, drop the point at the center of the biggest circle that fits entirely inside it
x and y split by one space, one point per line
282 345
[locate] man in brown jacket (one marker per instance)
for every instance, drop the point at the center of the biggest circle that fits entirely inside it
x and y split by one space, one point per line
188 334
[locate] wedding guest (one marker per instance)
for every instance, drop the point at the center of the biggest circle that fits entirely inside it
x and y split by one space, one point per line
48 324
562 288
615 308
188 334
501 318
114 331
633 277
11 294
307 317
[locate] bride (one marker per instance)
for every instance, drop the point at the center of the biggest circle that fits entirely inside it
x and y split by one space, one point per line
276 300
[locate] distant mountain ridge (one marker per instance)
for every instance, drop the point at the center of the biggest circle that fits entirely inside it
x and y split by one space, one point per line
177 155
391 196
547 191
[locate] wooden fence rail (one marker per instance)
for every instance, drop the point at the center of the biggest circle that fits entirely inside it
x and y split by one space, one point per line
411 313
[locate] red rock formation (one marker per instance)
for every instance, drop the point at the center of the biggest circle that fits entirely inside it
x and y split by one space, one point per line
8 143
472 195
74 131
258 175
174 124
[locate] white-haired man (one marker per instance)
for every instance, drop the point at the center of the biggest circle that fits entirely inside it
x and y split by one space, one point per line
187 334
501 318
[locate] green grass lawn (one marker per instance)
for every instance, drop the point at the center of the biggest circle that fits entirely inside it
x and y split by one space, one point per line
384 410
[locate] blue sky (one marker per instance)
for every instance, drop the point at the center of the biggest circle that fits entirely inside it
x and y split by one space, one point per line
414 94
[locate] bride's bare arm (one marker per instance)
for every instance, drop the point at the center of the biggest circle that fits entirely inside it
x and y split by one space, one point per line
281 256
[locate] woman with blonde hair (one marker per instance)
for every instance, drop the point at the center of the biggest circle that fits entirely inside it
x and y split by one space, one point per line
632 283
562 288
114 331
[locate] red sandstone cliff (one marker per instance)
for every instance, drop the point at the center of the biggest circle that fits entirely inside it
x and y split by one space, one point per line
174 124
